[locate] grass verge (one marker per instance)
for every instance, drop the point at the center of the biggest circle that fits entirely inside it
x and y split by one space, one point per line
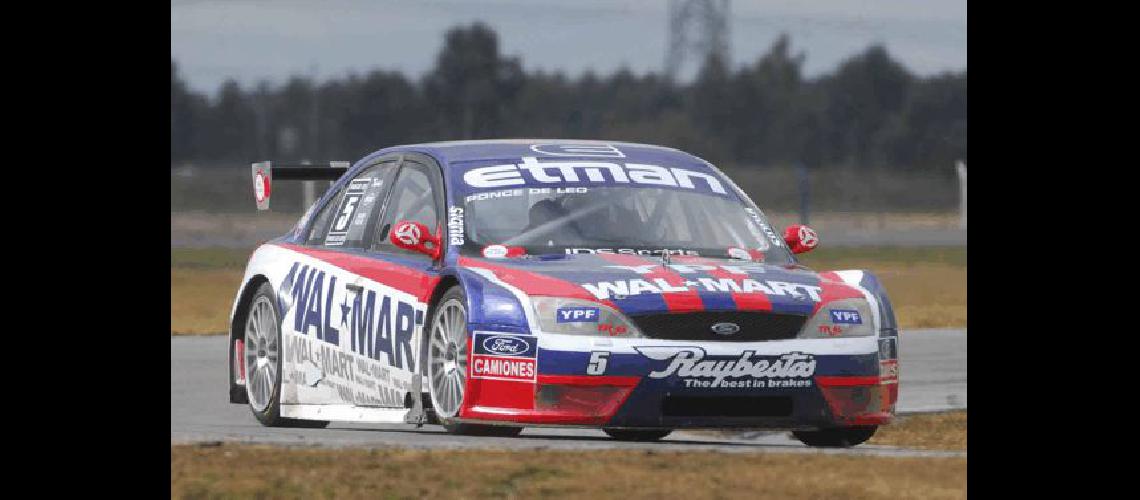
927 285
931 431
262 471
203 283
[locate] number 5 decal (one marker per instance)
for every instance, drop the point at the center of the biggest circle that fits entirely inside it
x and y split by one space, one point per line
346 213
597 364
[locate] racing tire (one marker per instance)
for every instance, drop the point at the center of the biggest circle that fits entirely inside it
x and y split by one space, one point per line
262 325
636 435
447 365
839 437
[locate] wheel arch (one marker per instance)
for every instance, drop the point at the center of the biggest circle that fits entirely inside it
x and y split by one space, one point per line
237 319
445 283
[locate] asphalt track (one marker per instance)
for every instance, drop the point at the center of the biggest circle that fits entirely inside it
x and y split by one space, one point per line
932 365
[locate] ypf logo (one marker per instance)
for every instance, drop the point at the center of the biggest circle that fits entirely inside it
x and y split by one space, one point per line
808 238
408 233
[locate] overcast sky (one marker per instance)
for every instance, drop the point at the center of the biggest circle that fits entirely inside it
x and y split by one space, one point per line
252 40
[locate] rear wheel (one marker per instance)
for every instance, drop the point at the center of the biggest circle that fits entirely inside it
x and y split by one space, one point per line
839 437
447 366
637 435
262 353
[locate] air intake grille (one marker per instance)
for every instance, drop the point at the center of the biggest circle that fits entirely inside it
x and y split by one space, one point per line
727 406
754 326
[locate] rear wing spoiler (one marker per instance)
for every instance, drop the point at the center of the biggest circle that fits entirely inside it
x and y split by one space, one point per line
264 173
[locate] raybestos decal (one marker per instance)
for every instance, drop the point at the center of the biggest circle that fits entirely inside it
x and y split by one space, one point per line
791 370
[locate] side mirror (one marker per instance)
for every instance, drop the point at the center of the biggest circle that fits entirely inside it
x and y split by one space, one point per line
411 235
800 238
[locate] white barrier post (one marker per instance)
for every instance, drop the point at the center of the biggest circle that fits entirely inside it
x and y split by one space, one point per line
308 192
961 195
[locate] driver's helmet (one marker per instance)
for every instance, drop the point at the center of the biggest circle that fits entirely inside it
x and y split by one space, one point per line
608 216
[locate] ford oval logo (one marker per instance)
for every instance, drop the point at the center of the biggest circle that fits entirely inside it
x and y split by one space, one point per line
725 328
506 345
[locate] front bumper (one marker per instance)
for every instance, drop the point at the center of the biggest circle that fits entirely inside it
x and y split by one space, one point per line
648 383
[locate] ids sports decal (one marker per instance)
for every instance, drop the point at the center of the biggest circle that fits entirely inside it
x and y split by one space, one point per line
630 251
694 268
787 370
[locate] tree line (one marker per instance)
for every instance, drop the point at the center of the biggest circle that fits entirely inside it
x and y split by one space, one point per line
869 113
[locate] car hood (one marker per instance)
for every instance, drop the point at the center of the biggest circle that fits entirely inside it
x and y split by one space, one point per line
639 285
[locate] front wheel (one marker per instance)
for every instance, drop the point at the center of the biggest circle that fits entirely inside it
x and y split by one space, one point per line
447 366
840 437
637 435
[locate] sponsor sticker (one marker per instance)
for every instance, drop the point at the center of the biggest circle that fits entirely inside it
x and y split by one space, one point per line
499 356
261 186
577 314
631 251
455 225
505 345
604 290
494 251
889 371
338 231
790 370
739 253
830 330
531 172
380 326
764 227
408 233
597 150
846 317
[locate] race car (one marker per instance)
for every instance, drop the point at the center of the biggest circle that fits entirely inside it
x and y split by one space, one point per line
494 285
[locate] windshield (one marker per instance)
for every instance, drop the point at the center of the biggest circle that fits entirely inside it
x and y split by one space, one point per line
608 218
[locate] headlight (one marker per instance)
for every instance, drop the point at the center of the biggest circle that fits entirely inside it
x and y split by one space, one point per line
841 318
582 317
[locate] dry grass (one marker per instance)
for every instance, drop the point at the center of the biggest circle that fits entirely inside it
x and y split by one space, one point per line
200 300
203 284
927 285
932 431
261 471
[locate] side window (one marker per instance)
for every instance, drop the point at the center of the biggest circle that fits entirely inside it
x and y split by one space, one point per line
413 198
321 221
350 215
